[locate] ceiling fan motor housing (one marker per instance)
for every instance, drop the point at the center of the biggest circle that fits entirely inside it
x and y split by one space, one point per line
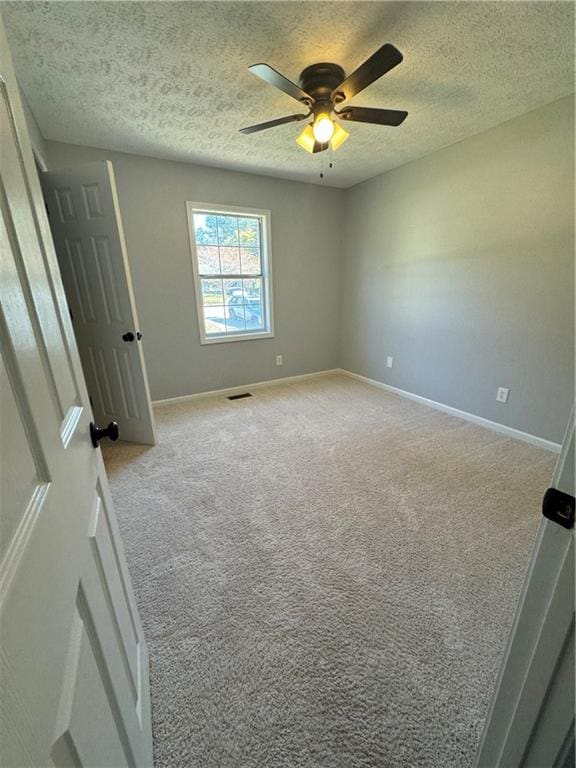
319 80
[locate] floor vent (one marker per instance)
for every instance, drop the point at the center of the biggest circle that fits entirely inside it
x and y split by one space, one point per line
239 397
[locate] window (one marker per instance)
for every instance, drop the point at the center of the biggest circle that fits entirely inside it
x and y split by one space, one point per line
231 262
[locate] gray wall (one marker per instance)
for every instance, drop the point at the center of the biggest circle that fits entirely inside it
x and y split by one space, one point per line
306 242
460 266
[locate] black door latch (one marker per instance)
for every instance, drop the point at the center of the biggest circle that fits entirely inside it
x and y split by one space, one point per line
558 507
97 433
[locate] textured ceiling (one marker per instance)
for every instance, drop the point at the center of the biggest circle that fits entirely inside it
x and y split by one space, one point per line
170 79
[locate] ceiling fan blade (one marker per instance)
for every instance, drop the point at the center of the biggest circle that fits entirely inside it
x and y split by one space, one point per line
376 116
385 59
273 123
320 146
271 76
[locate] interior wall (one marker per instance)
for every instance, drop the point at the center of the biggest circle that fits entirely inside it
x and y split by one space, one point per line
460 266
306 226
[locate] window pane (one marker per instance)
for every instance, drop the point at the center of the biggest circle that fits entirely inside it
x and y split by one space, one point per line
235 320
230 261
227 230
254 317
251 264
212 292
205 228
208 260
215 320
249 232
253 290
233 292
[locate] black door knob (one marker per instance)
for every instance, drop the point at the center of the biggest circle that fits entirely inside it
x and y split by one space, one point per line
97 433
128 336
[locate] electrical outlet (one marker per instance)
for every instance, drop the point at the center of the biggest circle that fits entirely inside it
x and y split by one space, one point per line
502 394
389 361
279 360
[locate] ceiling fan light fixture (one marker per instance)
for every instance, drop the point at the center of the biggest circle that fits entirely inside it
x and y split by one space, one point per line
324 85
306 139
323 128
338 137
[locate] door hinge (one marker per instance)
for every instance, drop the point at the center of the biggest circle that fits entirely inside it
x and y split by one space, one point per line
558 507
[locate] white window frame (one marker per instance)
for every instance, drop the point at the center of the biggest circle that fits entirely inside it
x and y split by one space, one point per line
266 256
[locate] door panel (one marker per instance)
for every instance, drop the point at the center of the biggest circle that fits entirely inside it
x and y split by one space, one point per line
19 476
117 605
106 280
85 740
125 378
102 389
73 660
87 230
76 282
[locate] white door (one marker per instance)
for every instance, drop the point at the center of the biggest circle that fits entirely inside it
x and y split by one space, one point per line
87 230
531 718
74 685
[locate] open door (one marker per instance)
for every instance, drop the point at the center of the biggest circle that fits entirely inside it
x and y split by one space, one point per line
531 718
87 230
73 659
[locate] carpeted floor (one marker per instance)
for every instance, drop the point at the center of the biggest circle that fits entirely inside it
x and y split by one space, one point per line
326 575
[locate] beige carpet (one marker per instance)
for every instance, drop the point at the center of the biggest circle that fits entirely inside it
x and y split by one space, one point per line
326 575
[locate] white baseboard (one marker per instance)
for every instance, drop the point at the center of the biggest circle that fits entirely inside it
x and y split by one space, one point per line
517 434
245 387
494 425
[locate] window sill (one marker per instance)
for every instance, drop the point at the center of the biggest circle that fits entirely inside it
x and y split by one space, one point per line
243 337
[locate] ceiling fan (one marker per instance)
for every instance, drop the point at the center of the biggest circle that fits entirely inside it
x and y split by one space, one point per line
322 87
